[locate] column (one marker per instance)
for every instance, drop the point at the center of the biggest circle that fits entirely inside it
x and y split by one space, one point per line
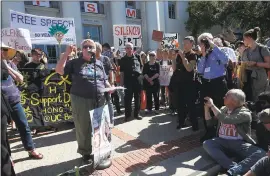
6 7
72 9
118 12
154 21
144 26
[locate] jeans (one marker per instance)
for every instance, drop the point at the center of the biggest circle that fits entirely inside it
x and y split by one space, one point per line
20 120
110 105
121 95
247 153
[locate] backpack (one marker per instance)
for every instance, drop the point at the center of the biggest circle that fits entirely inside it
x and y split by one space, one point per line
260 51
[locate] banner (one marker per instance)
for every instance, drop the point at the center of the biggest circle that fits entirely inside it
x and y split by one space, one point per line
101 134
165 74
45 97
45 30
170 40
123 34
17 38
157 36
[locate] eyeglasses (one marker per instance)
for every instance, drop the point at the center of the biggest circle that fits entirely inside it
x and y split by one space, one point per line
88 46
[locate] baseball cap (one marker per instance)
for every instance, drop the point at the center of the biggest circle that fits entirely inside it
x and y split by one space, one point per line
190 38
264 116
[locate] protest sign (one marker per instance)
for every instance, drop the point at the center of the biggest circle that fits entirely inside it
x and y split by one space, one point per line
45 97
17 38
101 134
170 40
165 74
157 36
45 30
123 34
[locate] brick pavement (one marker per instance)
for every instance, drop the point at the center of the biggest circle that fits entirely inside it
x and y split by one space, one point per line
146 155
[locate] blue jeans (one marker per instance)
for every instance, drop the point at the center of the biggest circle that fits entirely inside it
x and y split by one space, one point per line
219 148
19 117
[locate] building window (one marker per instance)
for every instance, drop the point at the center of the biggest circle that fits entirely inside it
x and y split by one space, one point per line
95 32
131 4
52 4
171 7
100 6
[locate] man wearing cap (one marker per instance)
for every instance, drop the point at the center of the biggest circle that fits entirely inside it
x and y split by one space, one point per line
185 91
130 70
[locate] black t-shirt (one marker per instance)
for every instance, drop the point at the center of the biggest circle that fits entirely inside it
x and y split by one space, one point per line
83 77
131 67
35 65
151 70
183 74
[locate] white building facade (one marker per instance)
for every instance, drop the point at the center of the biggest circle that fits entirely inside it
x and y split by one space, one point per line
99 17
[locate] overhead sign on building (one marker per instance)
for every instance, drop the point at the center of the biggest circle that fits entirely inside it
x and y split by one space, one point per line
123 34
45 30
90 7
41 3
131 13
17 38
170 40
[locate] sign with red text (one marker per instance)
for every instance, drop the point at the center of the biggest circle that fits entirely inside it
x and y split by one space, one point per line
90 7
123 34
45 30
17 38
41 3
131 13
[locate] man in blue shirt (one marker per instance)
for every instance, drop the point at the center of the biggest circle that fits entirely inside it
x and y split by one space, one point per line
212 66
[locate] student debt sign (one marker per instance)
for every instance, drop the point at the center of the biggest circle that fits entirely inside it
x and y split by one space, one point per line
123 34
45 30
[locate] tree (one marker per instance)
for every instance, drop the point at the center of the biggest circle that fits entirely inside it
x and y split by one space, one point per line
229 14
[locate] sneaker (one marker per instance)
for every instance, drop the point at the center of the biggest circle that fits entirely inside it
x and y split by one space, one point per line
87 159
156 112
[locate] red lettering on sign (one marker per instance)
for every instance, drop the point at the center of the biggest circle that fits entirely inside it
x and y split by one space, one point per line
91 8
131 13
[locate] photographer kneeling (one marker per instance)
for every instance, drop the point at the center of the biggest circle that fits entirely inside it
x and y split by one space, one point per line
234 134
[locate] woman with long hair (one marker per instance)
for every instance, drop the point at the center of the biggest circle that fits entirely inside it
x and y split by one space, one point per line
256 58
20 59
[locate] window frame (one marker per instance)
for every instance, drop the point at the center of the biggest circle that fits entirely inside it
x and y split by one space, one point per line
172 9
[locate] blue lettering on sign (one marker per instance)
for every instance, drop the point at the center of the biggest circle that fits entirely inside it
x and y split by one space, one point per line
23 19
50 22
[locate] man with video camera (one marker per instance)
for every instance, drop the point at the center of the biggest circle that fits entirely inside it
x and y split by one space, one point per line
212 67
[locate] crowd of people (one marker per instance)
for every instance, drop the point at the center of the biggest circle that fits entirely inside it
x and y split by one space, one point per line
225 84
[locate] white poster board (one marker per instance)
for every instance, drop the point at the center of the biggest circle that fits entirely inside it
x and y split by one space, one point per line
123 34
45 30
17 38
101 132
165 74
170 40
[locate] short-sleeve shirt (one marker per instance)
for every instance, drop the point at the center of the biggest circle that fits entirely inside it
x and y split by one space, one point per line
184 75
150 70
106 64
9 89
261 167
230 52
254 55
131 67
83 77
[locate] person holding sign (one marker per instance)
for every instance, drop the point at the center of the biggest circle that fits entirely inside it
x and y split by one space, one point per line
12 93
88 81
151 82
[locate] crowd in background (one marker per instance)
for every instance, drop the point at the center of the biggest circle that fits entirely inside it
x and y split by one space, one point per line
225 84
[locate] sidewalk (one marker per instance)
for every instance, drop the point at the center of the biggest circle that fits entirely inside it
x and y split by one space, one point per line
151 146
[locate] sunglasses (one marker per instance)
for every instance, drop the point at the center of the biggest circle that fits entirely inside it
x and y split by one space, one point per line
88 46
128 48
151 55
5 49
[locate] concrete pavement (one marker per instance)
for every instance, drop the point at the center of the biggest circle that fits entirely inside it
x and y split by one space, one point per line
151 146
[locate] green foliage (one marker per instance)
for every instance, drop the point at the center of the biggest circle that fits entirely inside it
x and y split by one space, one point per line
229 14
57 28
